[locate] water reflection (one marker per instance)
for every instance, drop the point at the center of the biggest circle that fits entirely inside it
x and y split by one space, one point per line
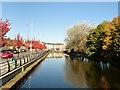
77 73
84 73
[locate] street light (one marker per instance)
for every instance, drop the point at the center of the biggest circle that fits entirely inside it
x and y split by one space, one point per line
31 36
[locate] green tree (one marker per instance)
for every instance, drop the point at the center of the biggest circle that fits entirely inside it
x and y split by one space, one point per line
94 40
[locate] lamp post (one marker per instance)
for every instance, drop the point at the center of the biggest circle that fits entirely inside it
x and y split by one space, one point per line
31 36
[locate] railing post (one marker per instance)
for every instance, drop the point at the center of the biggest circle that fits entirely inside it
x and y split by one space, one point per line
20 62
27 59
34 56
8 65
0 71
22 68
24 59
15 63
30 57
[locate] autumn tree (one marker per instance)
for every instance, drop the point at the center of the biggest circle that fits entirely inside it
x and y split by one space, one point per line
4 28
111 39
36 44
18 42
6 42
27 44
105 40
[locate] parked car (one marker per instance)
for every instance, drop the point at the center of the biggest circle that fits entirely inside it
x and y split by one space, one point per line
6 54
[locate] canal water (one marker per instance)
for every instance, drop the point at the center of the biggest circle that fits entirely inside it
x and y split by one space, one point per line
61 72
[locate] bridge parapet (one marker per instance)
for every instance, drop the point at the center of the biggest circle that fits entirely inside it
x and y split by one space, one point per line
11 67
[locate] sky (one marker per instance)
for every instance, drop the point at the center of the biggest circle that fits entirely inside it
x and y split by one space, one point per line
60 0
48 21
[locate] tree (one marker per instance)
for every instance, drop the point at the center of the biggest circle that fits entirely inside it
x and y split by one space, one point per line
27 44
111 39
44 46
36 44
76 37
18 42
94 40
6 42
105 40
4 28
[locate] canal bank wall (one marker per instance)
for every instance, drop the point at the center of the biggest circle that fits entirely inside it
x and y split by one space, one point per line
11 79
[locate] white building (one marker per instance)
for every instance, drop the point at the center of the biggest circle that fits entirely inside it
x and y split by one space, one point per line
55 46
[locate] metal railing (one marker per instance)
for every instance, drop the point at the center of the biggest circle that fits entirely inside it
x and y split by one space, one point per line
7 65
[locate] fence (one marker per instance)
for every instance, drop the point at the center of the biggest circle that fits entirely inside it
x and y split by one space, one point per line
10 64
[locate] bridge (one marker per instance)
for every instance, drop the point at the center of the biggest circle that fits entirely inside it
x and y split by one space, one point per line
56 55
55 47
12 70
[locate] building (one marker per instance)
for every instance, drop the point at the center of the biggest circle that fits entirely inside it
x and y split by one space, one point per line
57 47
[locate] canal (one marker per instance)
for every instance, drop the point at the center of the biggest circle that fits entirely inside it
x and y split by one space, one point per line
61 72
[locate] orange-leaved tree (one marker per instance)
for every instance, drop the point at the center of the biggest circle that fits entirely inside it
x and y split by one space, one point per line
4 28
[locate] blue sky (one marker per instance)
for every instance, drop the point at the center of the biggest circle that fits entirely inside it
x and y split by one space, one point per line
50 20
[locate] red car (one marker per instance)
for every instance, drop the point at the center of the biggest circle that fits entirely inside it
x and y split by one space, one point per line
6 54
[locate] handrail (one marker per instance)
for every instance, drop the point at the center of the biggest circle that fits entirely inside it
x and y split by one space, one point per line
7 65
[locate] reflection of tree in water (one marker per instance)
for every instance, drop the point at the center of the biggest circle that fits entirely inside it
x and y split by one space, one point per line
74 73
89 74
111 75
92 74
